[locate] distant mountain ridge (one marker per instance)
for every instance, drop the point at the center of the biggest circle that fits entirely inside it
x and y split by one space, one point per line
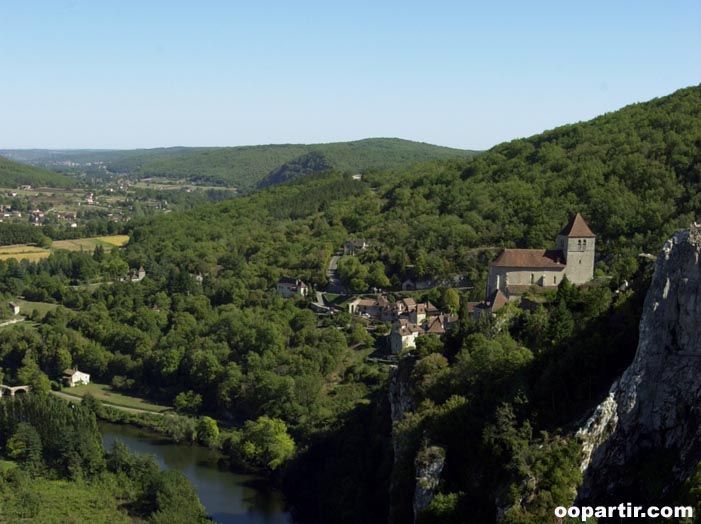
247 167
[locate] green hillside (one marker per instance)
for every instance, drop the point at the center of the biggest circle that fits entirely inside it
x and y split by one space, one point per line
246 167
634 174
13 174
487 393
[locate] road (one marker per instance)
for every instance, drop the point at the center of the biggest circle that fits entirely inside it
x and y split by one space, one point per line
334 285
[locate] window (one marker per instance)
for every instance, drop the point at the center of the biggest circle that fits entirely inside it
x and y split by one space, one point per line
555 280
532 278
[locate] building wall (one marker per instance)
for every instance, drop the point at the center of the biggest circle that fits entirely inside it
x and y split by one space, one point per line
579 253
79 378
502 277
398 342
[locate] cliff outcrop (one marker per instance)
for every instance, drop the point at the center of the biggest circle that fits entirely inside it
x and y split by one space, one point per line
649 426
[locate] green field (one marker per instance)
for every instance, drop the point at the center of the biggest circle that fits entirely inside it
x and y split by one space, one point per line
26 307
105 394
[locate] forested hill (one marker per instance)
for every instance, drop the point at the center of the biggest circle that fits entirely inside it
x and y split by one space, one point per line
13 174
245 167
248 166
634 174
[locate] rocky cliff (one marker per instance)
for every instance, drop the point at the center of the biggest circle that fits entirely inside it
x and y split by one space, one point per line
416 473
646 436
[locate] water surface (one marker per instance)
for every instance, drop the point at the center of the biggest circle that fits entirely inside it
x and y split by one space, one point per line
229 498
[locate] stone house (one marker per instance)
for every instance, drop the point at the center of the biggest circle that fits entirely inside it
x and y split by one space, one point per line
516 270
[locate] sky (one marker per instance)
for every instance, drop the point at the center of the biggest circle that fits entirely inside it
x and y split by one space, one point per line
150 73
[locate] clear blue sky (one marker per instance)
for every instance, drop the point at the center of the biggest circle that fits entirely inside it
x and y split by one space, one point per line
125 74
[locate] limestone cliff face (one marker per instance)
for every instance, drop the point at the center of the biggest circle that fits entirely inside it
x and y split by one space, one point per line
429 466
416 474
655 407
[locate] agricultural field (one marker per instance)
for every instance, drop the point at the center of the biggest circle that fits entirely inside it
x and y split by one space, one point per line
24 252
164 184
34 253
89 244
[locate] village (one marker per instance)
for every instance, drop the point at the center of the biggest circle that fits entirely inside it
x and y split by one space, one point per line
514 273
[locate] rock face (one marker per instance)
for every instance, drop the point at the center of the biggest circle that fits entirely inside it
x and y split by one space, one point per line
429 465
654 409
400 399
401 402
418 469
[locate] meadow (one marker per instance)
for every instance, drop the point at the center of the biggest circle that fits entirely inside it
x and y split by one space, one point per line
33 253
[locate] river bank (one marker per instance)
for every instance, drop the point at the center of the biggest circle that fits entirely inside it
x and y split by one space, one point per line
229 498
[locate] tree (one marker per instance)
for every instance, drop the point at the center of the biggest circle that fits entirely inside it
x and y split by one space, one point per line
44 242
25 447
560 325
176 500
265 443
450 300
208 432
188 402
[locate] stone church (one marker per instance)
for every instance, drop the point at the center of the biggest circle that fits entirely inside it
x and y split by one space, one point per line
516 270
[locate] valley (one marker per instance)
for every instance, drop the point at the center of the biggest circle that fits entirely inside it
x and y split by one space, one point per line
274 311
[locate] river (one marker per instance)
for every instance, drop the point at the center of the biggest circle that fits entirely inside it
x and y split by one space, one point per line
228 498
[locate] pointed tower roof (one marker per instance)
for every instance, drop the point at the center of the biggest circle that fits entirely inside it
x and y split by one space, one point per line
577 227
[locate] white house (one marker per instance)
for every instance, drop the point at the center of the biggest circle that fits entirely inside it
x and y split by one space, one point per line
73 377
14 308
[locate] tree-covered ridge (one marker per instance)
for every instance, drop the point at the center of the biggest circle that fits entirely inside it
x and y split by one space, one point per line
13 174
633 174
244 167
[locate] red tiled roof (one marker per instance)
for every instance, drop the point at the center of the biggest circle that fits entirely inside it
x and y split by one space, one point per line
496 301
435 327
577 227
530 258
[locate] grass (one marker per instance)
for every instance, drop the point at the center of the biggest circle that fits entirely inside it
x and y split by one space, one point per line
46 501
105 394
7 465
26 307
34 253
